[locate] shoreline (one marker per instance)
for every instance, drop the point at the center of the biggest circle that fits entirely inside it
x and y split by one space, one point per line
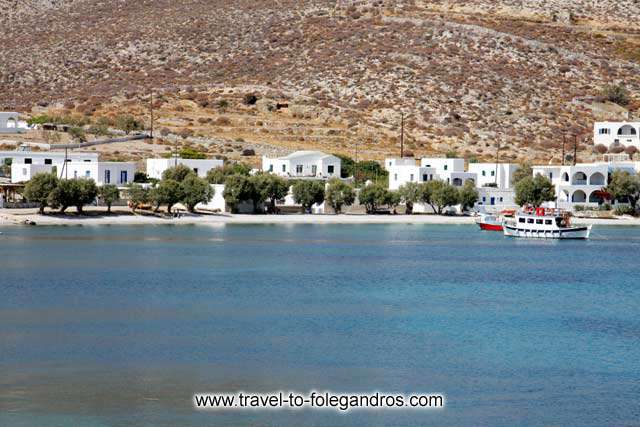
15 217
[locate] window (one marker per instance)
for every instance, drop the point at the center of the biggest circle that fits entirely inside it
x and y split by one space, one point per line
284 168
28 161
107 176
411 178
604 131
484 199
87 160
446 167
502 199
48 161
87 174
331 169
270 168
123 177
548 221
395 176
521 220
425 177
314 170
298 169
493 173
550 175
538 221
68 160
24 171
529 220
195 170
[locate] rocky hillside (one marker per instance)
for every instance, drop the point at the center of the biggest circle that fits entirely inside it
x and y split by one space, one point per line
468 75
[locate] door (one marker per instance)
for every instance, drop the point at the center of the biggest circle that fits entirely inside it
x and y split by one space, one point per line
123 177
493 201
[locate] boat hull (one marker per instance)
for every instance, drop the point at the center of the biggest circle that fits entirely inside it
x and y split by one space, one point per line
563 233
490 227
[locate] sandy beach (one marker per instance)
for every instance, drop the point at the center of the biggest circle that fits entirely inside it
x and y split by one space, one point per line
97 216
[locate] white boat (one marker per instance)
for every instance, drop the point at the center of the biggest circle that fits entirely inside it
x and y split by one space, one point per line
541 223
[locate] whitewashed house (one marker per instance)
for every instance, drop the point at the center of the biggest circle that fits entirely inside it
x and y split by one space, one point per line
10 122
577 185
451 171
402 171
25 163
115 173
500 174
614 133
304 164
156 167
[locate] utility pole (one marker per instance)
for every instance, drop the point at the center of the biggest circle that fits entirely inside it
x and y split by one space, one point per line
402 135
151 110
66 169
355 172
497 161
575 149
564 140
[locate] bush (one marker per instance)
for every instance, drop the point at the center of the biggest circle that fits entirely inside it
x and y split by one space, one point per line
373 196
190 153
579 208
617 94
127 123
250 99
625 210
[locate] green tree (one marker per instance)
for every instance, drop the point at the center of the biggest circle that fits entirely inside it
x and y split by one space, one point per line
138 196
167 192
195 190
393 199
308 193
238 188
427 190
177 173
524 171
468 196
38 189
410 195
444 196
109 193
78 134
534 191
85 193
372 197
140 177
624 186
127 123
339 194
219 175
271 188
73 192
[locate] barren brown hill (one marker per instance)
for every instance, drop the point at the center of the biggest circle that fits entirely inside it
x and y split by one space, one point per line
468 74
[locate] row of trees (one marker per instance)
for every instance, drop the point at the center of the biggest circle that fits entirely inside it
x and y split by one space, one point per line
179 184
47 190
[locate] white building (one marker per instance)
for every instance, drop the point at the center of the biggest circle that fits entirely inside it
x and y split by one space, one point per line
493 199
10 122
500 174
451 171
309 164
579 184
155 167
116 173
614 133
406 170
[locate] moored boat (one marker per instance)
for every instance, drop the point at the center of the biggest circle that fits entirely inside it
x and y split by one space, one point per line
489 222
541 223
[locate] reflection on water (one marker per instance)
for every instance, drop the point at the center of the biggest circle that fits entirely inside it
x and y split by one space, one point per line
119 326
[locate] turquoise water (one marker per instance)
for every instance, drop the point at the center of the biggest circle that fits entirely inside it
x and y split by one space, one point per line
119 326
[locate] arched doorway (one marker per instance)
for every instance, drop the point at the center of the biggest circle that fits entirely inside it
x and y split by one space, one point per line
596 197
579 197
457 182
579 178
627 130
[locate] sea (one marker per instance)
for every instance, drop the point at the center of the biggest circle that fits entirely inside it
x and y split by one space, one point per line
121 325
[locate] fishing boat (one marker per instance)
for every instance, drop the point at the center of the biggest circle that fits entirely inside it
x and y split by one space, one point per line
542 223
489 222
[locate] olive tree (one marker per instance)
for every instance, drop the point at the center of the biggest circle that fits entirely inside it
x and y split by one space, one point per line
372 197
410 195
625 186
534 191
109 193
339 194
137 195
237 189
195 190
177 173
271 188
308 193
468 195
38 189
167 192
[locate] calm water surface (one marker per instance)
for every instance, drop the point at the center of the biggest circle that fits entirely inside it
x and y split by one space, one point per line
119 326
